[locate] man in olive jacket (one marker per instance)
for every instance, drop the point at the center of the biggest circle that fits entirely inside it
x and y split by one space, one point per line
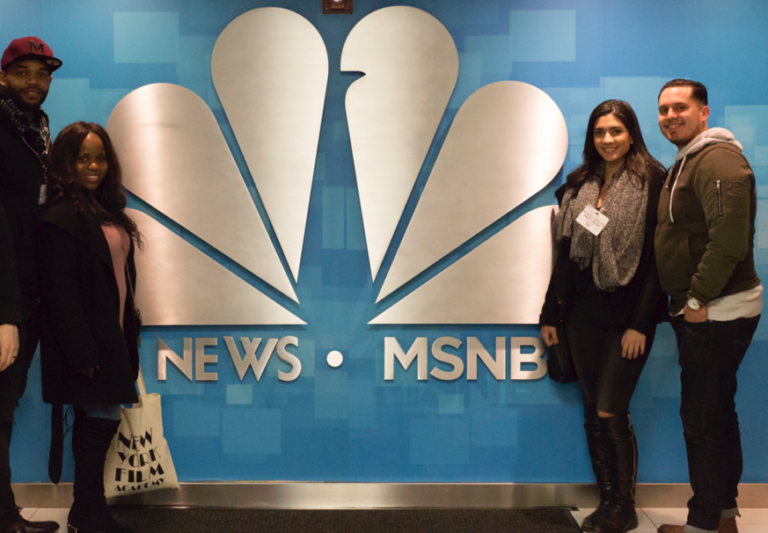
704 252
25 77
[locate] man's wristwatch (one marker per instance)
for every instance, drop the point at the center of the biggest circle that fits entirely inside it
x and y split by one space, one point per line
694 304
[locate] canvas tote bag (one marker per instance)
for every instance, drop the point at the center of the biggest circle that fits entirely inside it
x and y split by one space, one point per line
138 459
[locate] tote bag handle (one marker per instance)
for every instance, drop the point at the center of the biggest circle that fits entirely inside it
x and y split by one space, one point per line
142 387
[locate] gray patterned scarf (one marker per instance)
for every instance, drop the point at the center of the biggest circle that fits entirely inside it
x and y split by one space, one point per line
615 253
37 138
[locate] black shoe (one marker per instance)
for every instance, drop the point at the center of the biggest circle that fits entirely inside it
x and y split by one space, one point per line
24 526
591 520
618 519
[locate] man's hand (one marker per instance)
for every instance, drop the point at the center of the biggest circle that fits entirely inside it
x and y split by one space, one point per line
9 345
549 335
700 315
632 344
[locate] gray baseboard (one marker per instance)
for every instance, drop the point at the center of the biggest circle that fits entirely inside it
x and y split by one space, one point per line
303 495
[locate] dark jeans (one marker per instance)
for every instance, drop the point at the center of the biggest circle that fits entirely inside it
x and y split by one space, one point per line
13 382
710 355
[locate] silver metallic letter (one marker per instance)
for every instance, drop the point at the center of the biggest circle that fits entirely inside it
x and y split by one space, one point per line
517 358
497 367
393 350
289 358
164 353
202 358
453 360
249 359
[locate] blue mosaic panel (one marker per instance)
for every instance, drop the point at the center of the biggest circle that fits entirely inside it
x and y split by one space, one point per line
470 75
73 97
543 35
494 429
194 56
496 52
349 424
239 394
450 404
439 441
196 419
146 37
333 218
251 431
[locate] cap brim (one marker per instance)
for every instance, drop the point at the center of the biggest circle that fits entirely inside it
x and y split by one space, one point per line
51 62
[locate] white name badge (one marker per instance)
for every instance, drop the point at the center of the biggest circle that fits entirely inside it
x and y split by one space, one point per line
592 220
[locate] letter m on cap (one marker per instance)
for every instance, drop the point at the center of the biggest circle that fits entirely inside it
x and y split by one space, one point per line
35 47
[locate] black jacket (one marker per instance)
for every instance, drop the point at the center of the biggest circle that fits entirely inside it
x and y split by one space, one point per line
80 310
639 305
21 176
10 313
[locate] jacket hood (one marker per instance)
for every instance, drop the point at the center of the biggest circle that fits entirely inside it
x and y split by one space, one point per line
707 137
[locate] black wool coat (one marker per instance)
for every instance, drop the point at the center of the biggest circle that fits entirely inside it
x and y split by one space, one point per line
21 176
10 311
80 309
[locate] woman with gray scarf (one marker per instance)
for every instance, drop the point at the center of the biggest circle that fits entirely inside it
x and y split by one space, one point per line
605 291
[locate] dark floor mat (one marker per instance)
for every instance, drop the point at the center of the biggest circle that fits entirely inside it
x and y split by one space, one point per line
171 520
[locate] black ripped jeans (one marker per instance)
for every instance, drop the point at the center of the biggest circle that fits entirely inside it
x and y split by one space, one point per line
606 379
710 355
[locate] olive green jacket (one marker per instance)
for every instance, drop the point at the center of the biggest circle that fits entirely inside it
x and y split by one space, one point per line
706 222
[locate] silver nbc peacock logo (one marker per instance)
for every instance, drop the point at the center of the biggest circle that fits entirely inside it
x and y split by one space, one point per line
270 70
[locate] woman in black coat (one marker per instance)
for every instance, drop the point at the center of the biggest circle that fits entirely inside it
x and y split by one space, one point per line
89 352
605 291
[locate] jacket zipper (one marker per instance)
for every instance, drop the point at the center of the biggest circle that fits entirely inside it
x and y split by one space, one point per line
719 199
672 192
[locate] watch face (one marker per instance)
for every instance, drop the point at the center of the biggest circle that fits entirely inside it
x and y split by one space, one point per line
693 304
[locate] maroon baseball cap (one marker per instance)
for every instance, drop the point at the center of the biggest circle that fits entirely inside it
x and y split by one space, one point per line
29 48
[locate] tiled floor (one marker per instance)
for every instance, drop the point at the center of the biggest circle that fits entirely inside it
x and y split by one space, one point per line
751 521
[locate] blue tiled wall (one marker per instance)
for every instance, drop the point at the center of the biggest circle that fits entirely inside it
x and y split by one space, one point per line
348 424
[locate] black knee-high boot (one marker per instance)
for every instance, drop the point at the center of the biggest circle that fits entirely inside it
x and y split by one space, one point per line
621 454
90 441
597 453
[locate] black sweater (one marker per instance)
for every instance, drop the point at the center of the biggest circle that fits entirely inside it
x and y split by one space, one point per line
639 305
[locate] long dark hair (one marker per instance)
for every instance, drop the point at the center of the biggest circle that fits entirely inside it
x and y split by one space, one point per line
639 163
107 202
